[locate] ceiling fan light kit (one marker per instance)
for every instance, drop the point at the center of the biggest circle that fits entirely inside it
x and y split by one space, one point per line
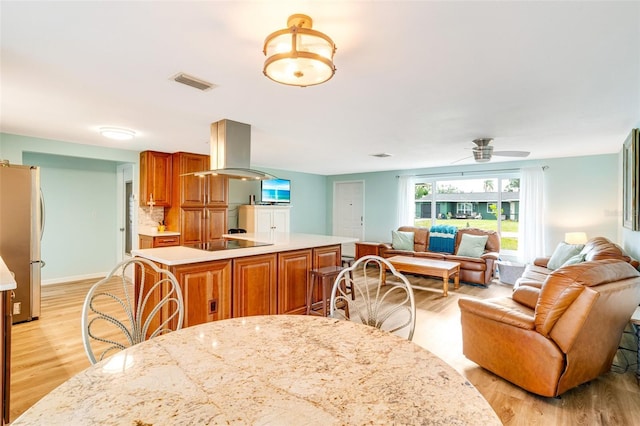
299 55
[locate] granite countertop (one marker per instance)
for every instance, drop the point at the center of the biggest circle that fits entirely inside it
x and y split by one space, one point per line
281 369
7 281
179 255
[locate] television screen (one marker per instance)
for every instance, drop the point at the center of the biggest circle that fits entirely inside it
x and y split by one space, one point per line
276 191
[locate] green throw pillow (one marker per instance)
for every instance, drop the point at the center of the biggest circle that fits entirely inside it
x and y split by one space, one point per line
472 245
578 258
562 253
402 240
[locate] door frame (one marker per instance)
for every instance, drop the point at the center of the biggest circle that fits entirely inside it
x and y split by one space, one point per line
125 173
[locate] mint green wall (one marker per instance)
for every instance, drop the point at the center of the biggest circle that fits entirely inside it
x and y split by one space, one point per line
80 228
581 194
308 208
79 187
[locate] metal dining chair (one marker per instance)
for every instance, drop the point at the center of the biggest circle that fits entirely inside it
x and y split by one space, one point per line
383 296
135 302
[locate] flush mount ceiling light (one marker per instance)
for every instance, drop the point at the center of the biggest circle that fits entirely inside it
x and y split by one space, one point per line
298 55
117 133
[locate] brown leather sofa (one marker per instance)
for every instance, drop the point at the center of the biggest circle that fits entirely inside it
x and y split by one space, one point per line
565 333
473 270
597 248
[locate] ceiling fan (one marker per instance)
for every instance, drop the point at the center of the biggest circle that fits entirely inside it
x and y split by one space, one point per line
483 151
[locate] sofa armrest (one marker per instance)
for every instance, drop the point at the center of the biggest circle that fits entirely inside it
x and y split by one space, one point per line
541 261
504 310
491 255
527 295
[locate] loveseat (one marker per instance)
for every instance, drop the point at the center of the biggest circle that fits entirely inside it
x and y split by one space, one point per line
597 248
550 339
479 270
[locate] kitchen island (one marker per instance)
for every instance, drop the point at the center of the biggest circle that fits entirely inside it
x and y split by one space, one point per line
267 279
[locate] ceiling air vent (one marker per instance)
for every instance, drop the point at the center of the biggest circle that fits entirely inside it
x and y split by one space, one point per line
382 155
193 81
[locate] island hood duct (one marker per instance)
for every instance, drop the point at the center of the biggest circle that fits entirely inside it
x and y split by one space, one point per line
230 152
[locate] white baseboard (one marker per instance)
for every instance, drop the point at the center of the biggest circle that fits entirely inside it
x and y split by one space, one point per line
74 278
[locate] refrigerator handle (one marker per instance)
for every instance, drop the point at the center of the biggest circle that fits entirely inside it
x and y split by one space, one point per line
42 214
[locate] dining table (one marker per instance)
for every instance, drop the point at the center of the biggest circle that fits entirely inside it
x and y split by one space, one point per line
267 370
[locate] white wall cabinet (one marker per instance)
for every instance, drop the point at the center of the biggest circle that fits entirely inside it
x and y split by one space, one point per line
264 219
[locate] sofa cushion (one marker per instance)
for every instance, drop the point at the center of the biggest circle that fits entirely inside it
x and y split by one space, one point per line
402 240
562 253
442 238
472 245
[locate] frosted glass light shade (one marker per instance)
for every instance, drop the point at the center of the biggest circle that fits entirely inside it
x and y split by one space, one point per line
298 55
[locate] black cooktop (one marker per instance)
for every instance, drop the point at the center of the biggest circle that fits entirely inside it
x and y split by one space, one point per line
228 245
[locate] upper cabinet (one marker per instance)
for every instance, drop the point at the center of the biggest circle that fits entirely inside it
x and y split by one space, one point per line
199 191
155 179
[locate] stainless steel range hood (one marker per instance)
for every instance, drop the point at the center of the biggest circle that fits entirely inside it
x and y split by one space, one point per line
230 152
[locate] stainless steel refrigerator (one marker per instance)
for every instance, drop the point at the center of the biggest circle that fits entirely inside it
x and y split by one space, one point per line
21 226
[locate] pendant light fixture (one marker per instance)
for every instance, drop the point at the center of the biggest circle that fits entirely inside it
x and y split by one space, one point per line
298 55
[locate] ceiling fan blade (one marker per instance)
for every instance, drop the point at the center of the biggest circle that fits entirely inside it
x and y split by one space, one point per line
511 153
461 159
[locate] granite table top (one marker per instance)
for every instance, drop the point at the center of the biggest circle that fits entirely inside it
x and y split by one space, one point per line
282 370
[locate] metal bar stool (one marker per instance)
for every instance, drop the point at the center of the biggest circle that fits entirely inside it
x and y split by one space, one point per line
326 276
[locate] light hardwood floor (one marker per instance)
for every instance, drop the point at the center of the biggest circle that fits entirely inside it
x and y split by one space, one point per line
48 351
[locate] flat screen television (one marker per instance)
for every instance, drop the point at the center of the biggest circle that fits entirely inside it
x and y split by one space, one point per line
275 191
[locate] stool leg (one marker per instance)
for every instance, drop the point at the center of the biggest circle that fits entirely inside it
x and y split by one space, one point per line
310 292
325 296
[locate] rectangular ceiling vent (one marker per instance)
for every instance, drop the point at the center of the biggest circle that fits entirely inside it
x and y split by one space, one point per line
192 81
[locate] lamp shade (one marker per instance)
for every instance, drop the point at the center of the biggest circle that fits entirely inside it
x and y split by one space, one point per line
298 55
575 237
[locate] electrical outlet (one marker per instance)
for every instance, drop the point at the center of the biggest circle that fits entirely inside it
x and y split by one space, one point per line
17 308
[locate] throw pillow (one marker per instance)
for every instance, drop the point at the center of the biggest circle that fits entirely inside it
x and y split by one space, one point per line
401 240
578 258
472 245
562 253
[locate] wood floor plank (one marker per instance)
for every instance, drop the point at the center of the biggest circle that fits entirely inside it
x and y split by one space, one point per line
47 352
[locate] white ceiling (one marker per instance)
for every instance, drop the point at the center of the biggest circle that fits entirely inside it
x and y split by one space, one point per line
419 80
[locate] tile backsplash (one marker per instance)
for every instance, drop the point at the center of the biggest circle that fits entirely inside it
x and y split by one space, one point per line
148 217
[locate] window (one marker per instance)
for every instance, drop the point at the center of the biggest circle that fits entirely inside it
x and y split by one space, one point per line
490 203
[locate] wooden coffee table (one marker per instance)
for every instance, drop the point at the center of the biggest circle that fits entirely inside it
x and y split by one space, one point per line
423 266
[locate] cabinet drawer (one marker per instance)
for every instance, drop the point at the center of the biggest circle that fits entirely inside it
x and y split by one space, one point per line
168 241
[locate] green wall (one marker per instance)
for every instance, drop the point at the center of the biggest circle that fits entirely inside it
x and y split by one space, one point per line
581 193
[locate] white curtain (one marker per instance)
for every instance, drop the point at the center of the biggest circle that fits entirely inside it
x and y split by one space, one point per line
406 201
531 230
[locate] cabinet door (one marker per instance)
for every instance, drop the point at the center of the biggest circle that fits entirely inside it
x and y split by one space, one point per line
192 188
145 241
216 224
192 225
254 285
280 220
264 220
293 276
217 190
155 178
206 290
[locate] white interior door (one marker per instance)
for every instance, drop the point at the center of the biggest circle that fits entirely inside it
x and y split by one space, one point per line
348 212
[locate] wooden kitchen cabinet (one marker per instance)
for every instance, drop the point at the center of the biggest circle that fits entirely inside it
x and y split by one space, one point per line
149 241
201 214
293 277
206 290
155 179
254 285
